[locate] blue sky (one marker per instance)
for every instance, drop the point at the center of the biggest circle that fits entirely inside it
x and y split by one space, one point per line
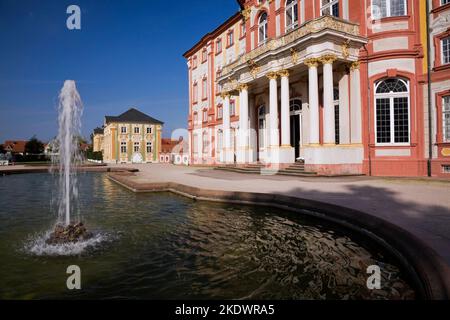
127 53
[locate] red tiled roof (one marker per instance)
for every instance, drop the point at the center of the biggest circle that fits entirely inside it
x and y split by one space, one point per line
15 146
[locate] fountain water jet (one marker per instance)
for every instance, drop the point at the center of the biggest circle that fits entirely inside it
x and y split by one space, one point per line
70 109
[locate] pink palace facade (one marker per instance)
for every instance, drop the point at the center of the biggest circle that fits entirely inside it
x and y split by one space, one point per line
347 86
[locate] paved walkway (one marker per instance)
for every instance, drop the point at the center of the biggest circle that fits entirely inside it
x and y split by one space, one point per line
421 206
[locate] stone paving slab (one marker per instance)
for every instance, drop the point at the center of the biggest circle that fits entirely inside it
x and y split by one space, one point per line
420 206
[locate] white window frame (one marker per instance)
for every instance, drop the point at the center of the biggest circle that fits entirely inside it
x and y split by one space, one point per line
137 129
293 8
329 6
136 147
123 147
391 95
232 108
444 2
149 130
444 138
219 45
220 112
388 10
263 25
443 62
122 131
149 145
205 115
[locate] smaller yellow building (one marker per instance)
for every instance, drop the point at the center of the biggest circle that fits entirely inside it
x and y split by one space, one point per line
132 137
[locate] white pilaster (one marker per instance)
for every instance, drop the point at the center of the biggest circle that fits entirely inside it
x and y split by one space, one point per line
313 94
355 104
328 100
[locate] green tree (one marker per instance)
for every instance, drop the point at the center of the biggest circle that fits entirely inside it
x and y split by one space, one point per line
34 146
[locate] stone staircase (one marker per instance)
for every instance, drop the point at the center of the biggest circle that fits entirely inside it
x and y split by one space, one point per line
297 169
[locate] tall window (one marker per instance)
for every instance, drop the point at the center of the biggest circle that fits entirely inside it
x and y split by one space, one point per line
261 127
136 130
330 7
230 38
123 129
136 147
149 130
195 118
232 108
336 116
219 140
291 14
446 50
195 93
204 89
262 28
392 111
219 46
149 147
205 115
205 142
446 118
219 112
444 2
123 147
243 29
388 8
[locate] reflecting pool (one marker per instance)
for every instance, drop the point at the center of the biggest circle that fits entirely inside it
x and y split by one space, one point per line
164 246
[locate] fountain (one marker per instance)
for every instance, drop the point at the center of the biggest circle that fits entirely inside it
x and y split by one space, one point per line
70 109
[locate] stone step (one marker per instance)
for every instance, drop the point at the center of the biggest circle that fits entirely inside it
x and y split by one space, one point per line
297 174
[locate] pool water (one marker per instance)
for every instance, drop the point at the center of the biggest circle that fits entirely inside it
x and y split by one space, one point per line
164 246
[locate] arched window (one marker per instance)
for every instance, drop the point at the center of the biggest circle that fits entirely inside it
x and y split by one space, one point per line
295 106
262 27
291 14
261 127
392 111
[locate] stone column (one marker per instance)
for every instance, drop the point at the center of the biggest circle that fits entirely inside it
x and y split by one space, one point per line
287 152
313 96
285 111
227 152
355 104
243 150
328 100
273 106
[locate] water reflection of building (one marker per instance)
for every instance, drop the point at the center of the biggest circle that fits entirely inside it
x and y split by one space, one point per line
336 83
132 137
